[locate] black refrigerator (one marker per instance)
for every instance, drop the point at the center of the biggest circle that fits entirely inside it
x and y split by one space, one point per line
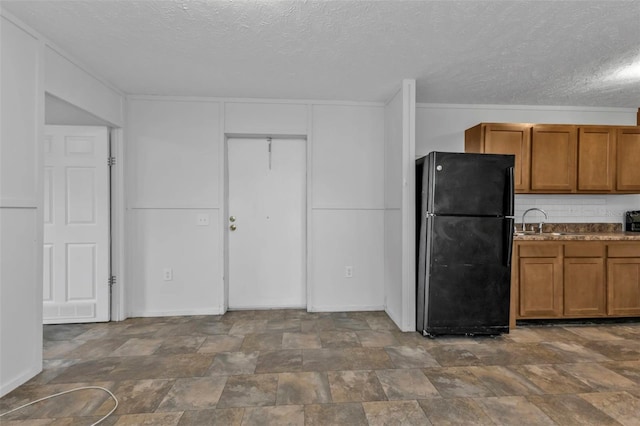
464 226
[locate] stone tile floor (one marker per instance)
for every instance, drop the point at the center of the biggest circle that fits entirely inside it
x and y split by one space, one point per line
298 368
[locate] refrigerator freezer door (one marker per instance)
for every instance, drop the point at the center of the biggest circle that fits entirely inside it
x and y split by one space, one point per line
467 274
469 184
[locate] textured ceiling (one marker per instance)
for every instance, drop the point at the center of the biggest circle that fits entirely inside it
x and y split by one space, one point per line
482 52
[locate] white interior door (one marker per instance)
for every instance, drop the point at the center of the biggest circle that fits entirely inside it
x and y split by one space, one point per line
76 229
267 223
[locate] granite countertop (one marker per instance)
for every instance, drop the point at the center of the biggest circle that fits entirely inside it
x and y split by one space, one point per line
578 232
587 236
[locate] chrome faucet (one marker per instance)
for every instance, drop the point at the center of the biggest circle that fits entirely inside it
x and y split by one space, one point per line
524 226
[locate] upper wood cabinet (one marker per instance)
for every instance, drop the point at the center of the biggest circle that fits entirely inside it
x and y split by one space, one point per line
553 158
628 159
596 159
504 138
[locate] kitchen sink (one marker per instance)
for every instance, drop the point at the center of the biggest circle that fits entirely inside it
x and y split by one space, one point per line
520 233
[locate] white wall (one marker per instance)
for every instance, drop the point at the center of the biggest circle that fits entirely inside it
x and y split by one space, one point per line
408 206
173 157
441 128
75 96
347 217
176 168
399 230
577 208
21 224
32 65
393 207
65 80
265 118
62 113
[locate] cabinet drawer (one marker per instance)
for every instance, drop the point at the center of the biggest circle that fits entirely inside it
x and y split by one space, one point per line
623 249
584 249
540 250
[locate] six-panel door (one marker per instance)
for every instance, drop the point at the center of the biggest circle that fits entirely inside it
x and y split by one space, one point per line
76 224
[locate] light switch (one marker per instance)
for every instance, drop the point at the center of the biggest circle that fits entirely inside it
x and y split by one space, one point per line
202 219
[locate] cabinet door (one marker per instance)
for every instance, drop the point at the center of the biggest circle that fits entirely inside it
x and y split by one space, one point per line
553 158
596 159
540 288
511 139
584 287
623 286
628 169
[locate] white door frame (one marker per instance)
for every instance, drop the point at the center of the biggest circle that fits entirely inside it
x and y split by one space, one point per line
225 210
119 311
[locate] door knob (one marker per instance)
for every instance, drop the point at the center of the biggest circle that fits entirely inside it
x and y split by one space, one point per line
232 218
233 227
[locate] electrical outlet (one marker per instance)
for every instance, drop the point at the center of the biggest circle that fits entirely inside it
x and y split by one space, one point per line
202 219
167 274
348 271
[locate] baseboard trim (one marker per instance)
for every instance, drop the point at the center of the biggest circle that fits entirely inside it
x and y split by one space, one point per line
177 313
393 316
346 308
5 388
265 308
221 310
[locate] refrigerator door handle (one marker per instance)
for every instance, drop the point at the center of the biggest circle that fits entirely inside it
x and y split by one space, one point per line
508 234
509 201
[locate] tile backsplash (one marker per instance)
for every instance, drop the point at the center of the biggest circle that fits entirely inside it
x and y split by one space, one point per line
576 208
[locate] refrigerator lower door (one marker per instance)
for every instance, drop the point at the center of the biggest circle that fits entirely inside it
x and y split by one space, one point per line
482 307
466 284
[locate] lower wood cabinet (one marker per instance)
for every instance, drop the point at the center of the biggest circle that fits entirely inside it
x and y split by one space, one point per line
584 287
623 279
623 284
577 279
540 280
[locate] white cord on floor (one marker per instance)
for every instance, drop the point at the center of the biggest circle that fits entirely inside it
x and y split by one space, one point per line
69 391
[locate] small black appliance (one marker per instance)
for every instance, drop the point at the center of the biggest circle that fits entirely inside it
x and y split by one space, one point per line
632 221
